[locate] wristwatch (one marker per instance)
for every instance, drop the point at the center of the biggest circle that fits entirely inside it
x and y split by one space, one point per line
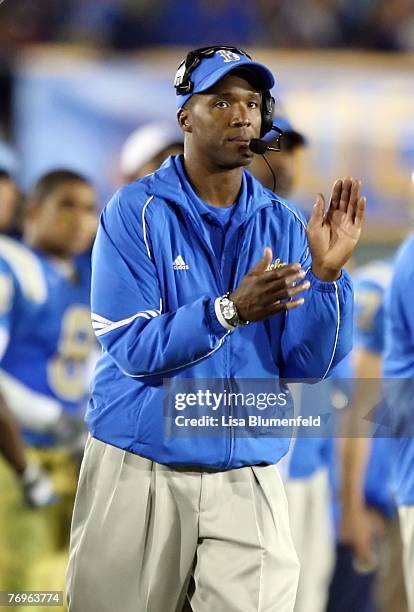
227 312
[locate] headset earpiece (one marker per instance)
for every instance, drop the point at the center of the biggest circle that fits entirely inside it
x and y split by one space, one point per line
268 103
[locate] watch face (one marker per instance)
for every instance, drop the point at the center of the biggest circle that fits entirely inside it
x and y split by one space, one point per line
228 310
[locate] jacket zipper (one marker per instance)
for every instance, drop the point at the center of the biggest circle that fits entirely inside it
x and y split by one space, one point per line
213 258
230 445
219 276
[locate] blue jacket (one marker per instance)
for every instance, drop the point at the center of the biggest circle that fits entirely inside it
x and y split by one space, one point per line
154 283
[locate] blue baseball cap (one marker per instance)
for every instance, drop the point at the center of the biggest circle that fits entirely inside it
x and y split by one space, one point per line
214 67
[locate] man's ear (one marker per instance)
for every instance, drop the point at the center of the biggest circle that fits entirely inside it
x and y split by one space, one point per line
184 120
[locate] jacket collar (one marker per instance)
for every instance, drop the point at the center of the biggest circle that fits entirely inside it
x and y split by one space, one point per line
168 184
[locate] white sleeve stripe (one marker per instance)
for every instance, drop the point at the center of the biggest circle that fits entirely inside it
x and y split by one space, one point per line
144 227
118 324
293 213
99 319
300 221
153 313
98 325
338 312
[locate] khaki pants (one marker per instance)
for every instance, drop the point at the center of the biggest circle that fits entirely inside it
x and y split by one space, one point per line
407 533
142 530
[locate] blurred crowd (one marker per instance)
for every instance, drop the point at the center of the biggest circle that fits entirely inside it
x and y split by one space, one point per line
132 24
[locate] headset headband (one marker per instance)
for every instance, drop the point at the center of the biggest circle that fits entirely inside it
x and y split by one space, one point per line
183 83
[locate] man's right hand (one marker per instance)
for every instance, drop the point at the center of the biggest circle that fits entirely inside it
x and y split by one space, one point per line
263 293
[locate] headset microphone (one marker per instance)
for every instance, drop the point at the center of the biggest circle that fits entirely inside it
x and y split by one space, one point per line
260 146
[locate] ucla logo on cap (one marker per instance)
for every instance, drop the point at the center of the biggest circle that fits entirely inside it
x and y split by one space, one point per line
179 75
228 56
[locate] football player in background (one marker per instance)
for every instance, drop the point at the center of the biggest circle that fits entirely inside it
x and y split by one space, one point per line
368 574
46 341
399 364
147 147
284 163
36 486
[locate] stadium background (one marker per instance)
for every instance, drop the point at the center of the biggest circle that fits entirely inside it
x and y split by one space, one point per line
78 78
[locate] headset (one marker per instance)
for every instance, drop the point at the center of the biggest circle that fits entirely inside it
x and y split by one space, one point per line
183 84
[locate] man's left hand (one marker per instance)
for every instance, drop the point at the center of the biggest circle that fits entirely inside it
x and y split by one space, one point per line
333 236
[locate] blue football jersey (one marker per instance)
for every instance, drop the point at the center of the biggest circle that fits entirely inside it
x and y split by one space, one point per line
45 326
399 364
370 284
311 450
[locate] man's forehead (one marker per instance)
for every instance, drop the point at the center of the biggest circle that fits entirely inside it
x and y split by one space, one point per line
233 83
